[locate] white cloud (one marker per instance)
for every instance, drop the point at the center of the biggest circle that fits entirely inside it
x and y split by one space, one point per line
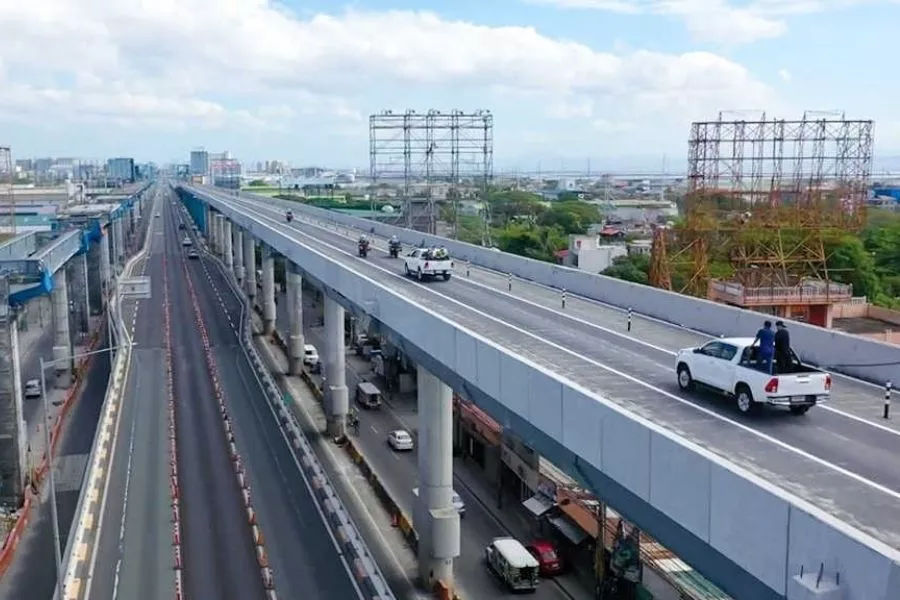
718 21
250 63
785 75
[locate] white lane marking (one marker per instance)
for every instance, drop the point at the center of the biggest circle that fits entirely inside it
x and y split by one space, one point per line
635 380
128 471
829 408
374 429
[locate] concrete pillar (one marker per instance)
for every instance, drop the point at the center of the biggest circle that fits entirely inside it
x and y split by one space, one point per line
268 285
229 255
207 222
238 243
436 520
117 244
295 313
62 340
220 235
335 369
87 292
214 246
104 266
250 267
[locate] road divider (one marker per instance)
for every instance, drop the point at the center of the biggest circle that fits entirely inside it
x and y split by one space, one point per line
174 485
358 560
262 557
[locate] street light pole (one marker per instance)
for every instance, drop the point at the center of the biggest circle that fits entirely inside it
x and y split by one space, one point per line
57 553
57 546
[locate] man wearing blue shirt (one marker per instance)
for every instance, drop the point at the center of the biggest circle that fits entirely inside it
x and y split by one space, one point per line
766 339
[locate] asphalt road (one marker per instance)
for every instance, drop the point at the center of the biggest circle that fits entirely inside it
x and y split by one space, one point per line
305 559
399 473
33 574
821 457
134 554
218 552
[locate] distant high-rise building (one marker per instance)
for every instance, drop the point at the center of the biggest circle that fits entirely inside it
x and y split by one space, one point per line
199 162
120 169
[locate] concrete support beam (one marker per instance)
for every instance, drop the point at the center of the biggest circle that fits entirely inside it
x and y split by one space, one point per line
238 244
226 236
104 266
337 400
435 518
117 241
87 292
62 339
250 267
216 233
268 290
295 314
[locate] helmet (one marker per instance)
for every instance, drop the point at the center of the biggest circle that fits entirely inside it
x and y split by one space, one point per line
393 238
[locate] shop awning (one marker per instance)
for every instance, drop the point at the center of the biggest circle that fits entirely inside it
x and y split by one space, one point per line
568 529
539 505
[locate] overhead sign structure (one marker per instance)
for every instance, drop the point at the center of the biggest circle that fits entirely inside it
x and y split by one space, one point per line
135 288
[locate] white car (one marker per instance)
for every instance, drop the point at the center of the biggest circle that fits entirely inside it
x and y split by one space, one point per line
730 366
400 440
32 388
428 263
186 242
310 356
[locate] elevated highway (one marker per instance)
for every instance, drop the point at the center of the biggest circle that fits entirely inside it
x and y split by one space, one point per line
747 503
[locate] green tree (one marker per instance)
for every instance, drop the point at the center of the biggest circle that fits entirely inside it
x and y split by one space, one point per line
258 183
510 204
571 217
850 262
536 242
634 268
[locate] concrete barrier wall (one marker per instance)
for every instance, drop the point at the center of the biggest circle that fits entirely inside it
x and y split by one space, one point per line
766 531
857 356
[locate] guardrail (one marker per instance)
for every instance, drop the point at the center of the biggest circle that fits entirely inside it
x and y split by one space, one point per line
80 547
841 352
368 577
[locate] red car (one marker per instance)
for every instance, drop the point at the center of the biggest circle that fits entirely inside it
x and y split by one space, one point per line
547 556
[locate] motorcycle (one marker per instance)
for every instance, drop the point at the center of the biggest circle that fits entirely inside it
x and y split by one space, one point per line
394 249
289 216
364 249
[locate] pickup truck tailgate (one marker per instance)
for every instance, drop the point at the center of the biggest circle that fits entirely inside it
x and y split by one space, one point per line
800 385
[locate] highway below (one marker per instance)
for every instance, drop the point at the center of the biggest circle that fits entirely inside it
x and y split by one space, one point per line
134 558
33 575
302 552
838 462
398 471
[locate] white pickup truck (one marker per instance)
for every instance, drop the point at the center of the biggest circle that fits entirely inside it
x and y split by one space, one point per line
428 262
729 365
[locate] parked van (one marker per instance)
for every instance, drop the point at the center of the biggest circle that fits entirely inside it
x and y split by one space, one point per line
368 395
513 564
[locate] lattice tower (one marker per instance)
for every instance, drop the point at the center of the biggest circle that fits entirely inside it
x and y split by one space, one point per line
421 150
765 197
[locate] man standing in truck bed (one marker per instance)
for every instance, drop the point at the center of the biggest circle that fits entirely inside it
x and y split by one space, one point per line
782 348
766 339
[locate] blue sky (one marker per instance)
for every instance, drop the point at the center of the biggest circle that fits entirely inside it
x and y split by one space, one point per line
613 83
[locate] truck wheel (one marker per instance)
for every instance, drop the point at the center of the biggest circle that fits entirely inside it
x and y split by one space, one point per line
446 276
799 410
685 380
744 399
408 272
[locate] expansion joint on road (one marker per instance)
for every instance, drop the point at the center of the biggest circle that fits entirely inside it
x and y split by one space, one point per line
262 558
